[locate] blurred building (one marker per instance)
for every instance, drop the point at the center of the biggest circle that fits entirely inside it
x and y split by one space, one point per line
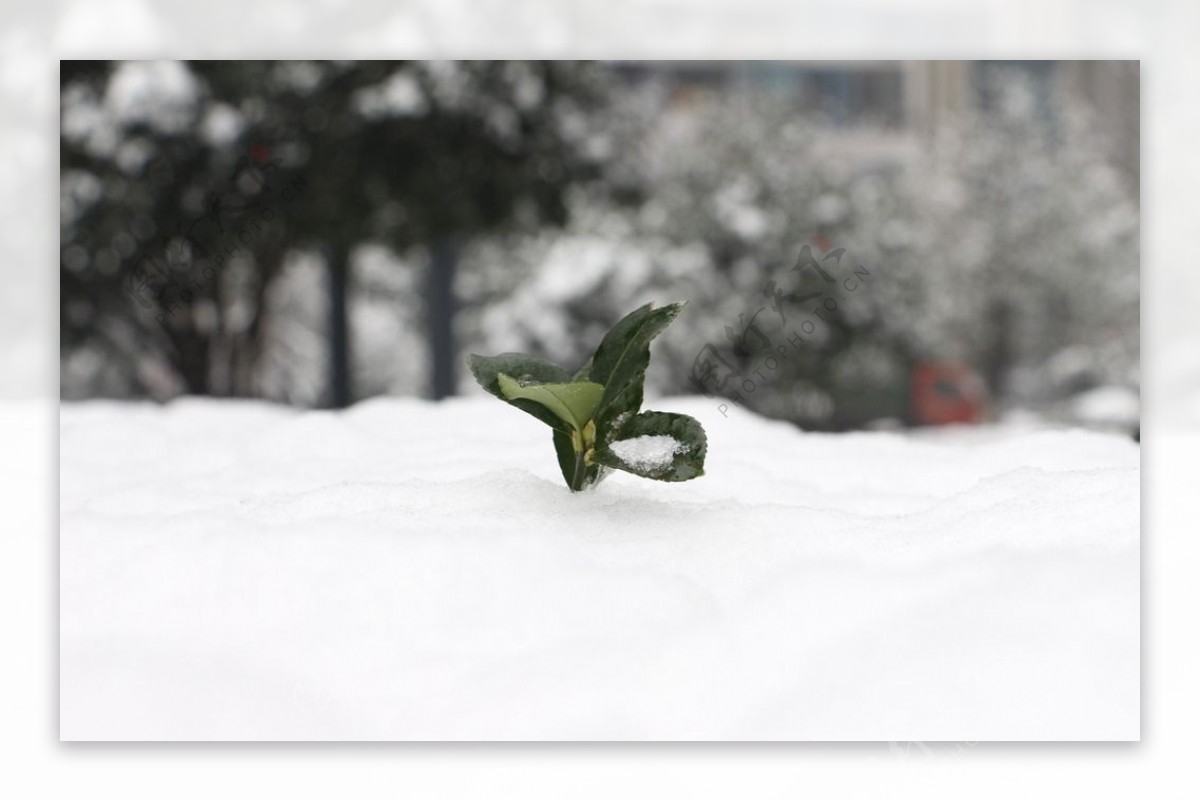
888 108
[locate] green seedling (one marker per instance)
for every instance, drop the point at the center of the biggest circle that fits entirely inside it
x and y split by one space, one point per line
596 413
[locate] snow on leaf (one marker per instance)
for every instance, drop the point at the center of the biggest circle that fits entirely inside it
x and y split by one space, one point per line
648 452
659 445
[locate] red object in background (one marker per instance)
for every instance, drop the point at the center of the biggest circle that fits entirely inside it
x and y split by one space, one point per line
946 392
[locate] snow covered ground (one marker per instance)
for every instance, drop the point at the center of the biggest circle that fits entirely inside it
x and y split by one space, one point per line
404 570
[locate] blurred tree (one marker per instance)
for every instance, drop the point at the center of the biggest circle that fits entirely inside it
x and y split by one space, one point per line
202 177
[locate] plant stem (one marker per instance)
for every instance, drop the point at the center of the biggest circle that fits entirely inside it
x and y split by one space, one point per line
580 473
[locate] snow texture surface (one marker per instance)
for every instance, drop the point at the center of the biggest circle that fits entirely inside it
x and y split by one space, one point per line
405 570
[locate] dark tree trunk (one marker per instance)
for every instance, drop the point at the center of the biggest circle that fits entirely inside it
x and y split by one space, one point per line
340 392
999 356
441 308
194 350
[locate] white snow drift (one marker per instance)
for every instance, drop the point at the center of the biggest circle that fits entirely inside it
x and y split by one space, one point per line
416 571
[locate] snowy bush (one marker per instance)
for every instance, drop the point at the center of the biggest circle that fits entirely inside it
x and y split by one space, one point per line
1008 243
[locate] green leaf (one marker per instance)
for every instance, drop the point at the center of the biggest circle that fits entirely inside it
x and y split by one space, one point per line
659 445
571 402
584 373
621 360
487 370
594 413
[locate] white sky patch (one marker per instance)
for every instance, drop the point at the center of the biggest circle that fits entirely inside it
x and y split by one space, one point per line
85 119
398 96
159 93
222 125
649 452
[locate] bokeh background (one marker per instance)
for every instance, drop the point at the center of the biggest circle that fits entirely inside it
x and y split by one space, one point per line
316 233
